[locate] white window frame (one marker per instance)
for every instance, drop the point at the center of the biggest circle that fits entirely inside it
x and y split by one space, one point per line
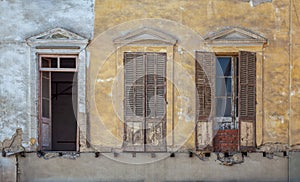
47 43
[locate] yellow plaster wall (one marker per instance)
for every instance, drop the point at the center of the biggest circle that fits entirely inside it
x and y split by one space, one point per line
295 76
273 91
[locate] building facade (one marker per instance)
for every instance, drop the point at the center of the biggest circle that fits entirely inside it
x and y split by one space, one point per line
149 91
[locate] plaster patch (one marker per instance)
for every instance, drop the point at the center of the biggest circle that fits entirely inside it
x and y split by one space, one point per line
13 145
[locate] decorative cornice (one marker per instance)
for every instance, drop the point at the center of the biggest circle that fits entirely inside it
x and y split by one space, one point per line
57 37
235 36
145 35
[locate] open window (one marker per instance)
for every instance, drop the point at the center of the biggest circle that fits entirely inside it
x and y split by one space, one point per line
226 87
226 97
58 61
57 102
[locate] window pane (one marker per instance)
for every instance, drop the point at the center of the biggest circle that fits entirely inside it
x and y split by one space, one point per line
53 62
67 63
223 87
223 107
223 66
45 108
49 62
45 87
45 63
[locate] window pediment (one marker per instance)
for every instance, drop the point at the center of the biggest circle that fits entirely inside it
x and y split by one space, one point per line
146 36
57 37
235 36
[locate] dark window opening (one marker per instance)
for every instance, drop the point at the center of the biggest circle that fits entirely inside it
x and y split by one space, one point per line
64 124
58 105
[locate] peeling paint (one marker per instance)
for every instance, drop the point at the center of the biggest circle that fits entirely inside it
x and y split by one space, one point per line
273 147
13 145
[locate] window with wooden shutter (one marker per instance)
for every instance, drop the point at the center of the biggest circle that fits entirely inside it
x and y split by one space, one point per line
226 91
247 101
205 74
144 107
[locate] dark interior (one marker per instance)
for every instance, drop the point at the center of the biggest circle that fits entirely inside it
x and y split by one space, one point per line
64 123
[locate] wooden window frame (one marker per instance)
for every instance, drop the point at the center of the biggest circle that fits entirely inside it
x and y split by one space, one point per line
58 56
40 117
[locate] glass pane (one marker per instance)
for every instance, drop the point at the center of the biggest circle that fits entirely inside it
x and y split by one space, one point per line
67 63
223 86
45 87
223 107
45 108
49 62
53 62
45 63
45 74
223 66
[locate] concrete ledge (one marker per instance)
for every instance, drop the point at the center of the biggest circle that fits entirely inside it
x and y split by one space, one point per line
182 167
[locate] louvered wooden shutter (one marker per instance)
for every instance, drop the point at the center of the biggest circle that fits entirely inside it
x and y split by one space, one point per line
155 103
205 81
134 101
247 100
144 107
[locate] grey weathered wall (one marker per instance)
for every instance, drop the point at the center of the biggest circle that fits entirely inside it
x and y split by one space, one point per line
8 169
19 20
180 168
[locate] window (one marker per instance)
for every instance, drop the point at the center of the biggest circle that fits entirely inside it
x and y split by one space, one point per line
145 105
226 97
58 88
226 94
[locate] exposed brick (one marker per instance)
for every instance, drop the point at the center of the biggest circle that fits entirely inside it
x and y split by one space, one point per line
226 141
